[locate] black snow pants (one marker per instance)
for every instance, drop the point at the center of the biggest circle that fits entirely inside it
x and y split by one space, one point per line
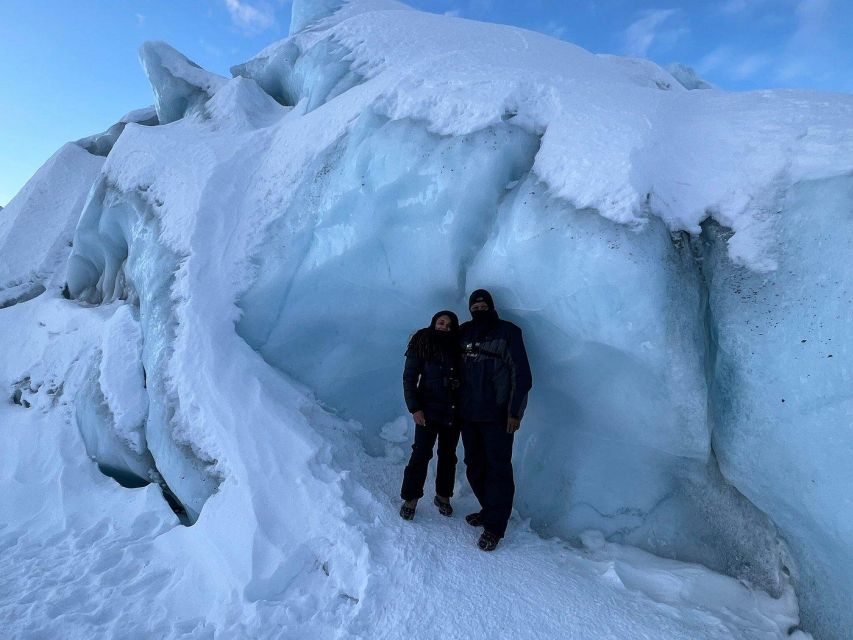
415 473
488 465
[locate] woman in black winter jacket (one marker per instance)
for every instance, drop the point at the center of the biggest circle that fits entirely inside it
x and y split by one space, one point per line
430 386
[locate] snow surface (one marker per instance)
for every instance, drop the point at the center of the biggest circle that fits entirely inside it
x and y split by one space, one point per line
243 279
303 540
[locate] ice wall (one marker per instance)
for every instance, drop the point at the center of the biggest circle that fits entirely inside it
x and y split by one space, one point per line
379 165
781 386
118 255
131 246
381 228
620 319
112 405
619 437
392 221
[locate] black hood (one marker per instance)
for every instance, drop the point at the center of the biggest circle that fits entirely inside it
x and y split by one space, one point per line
481 295
454 320
429 343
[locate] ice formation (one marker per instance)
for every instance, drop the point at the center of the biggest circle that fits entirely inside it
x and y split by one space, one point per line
102 143
249 261
38 224
687 76
180 85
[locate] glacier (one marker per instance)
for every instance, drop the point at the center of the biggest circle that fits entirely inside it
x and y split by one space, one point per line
218 313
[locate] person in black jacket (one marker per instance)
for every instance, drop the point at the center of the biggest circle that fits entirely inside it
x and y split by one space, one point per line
495 381
430 387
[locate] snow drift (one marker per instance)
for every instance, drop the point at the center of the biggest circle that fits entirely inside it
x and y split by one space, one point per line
676 259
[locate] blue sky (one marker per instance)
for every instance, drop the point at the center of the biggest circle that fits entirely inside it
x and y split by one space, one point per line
69 68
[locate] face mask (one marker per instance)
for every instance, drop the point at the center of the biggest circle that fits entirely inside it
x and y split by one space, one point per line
483 316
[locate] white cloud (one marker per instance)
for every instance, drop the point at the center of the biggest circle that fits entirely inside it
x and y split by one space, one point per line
791 70
733 64
809 51
453 14
719 58
804 49
749 66
811 18
140 19
647 30
252 18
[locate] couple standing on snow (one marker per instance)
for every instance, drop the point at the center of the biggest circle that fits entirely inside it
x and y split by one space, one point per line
471 379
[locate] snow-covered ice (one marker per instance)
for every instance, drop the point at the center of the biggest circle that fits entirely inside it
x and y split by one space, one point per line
37 226
249 258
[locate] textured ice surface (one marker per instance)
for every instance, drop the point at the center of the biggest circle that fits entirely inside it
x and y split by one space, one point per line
781 386
180 85
614 320
403 220
598 152
687 76
102 143
387 219
312 212
118 255
618 319
112 405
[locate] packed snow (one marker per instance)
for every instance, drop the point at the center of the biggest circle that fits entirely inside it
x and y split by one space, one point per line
206 434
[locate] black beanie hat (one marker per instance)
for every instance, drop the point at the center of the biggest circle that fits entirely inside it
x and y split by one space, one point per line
481 295
454 320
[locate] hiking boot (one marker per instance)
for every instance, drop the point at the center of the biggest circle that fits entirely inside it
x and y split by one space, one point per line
406 512
444 507
474 519
488 541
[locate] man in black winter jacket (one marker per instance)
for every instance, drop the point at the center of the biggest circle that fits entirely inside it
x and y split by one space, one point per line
495 381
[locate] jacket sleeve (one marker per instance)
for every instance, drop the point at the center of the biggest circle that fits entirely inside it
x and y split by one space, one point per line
520 376
411 373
